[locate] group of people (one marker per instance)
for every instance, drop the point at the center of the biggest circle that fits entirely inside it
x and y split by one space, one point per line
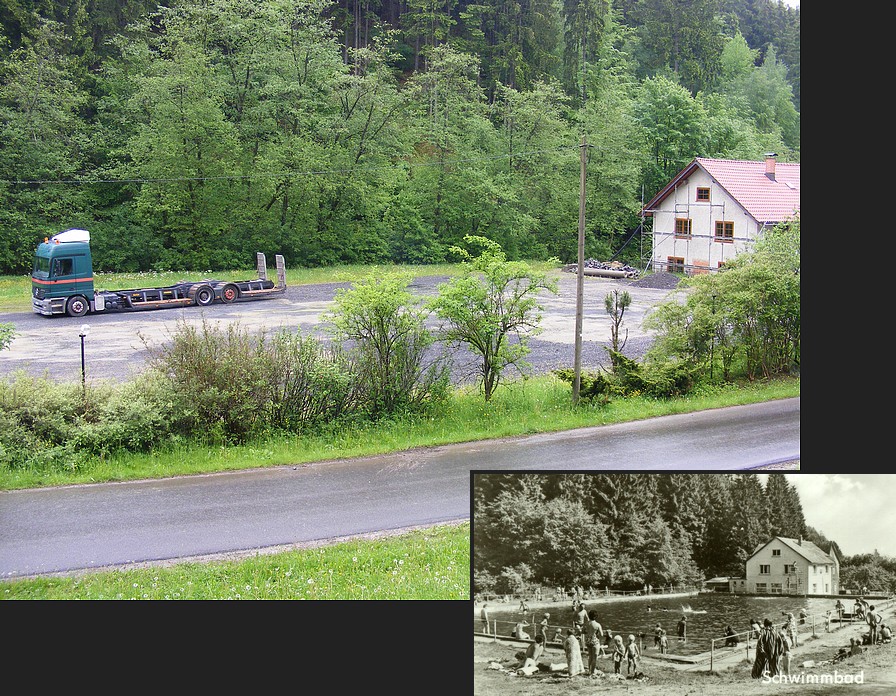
588 637
588 628
585 636
773 645
878 631
773 648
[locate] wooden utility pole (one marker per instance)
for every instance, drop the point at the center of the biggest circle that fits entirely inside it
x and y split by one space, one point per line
580 281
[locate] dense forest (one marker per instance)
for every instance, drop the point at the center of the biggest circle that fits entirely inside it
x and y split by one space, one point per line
628 530
190 134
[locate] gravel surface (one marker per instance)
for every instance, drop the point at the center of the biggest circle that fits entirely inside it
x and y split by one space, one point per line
116 345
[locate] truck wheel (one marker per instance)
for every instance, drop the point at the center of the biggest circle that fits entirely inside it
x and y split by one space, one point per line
229 293
204 296
76 306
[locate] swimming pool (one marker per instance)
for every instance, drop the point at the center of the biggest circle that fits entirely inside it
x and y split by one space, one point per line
707 615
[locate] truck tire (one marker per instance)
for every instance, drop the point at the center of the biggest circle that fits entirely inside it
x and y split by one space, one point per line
229 293
77 306
204 295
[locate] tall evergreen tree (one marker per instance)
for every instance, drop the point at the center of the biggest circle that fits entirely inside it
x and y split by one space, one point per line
785 511
583 32
716 552
750 515
684 36
683 501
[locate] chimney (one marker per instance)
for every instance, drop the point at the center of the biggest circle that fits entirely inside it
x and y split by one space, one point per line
770 160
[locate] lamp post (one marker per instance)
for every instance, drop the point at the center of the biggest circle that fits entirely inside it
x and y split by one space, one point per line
85 329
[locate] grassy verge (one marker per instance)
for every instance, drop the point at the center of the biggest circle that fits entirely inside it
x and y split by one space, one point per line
425 564
536 405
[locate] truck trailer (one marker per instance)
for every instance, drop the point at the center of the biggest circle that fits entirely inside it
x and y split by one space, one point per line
62 283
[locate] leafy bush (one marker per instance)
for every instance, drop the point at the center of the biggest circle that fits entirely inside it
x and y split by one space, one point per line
595 387
134 417
228 386
7 334
219 385
310 384
743 321
383 325
630 378
493 308
38 419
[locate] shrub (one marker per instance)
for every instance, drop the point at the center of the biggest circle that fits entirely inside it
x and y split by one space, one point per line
37 418
309 383
135 416
383 325
629 378
219 386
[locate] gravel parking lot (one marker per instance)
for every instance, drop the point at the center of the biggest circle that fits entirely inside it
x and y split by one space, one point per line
115 346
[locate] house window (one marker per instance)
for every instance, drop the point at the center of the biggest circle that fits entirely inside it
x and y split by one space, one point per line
724 231
682 227
761 588
765 569
786 569
675 264
702 193
775 552
776 588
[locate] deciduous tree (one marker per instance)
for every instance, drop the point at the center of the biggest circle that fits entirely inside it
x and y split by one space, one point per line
492 307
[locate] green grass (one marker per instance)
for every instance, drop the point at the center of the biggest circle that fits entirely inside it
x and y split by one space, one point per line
424 564
535 405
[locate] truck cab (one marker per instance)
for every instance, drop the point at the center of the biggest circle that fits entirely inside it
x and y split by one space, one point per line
62 275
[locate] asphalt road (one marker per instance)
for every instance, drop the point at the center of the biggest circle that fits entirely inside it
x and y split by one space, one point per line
72 528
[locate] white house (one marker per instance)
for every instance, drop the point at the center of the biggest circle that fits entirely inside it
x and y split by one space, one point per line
713 209
790 567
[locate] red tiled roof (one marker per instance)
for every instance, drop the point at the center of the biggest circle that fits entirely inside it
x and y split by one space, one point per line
764 199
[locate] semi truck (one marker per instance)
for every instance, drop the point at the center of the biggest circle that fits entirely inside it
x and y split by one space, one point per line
62 283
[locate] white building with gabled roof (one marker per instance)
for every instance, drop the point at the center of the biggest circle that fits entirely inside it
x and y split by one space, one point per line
790 567
713 209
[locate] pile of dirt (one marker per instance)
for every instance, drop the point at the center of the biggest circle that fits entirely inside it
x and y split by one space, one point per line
661 280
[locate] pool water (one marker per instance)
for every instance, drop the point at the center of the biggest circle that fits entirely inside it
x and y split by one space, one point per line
707 617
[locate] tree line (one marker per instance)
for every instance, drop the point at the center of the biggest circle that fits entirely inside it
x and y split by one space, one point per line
627 530
188 135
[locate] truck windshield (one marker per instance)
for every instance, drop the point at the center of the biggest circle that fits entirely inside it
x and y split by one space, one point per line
41 265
